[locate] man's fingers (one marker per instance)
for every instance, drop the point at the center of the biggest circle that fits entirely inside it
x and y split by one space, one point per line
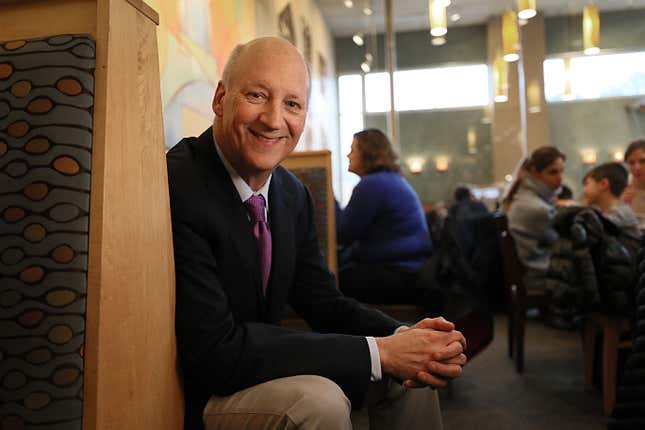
439 323
432 380
460 359
451 350
445 370
457 336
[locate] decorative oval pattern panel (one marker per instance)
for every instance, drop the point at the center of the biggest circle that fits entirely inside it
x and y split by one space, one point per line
46 102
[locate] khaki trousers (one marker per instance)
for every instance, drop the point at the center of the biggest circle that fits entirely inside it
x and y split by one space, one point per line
309 402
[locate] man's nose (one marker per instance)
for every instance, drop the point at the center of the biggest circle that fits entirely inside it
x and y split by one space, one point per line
272 116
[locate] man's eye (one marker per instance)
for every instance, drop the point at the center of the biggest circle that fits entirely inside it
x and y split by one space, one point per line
294 105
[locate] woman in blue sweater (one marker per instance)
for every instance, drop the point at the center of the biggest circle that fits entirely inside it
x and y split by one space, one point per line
383 227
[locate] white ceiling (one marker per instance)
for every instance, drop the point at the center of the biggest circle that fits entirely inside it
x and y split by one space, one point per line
413 14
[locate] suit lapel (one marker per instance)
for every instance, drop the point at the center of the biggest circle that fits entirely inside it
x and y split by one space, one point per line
234 213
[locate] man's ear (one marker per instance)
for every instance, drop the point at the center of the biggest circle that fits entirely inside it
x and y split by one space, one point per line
604 184
218 108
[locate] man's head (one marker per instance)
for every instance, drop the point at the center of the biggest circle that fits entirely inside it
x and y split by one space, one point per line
462 193
260 106
606 180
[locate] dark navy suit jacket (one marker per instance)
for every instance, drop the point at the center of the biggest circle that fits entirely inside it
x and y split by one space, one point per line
228 336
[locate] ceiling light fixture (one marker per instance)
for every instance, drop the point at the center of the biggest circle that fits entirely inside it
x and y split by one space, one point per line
358 39
510 37
367 11
349 3
437 15
455 17
591 29
443 3
365 67
526 9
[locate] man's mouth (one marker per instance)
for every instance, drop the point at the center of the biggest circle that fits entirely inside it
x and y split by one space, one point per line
266 138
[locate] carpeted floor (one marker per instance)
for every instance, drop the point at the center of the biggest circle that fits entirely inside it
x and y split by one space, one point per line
548 395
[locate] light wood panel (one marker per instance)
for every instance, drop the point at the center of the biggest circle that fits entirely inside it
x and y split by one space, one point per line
320 159
130 378
131 351
29 19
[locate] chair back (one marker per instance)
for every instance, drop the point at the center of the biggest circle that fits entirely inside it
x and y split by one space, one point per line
512 266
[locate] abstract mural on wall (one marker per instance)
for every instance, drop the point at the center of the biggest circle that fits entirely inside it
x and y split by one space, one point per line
195 38
285 24
46 103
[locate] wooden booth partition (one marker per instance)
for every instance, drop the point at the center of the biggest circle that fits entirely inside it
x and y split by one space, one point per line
87 286
313 168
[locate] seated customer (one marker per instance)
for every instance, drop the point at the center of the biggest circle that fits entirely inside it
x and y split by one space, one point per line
603 187
634 194
383 226
464 214
531 212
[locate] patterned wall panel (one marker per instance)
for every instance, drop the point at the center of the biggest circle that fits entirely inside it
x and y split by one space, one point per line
46 101
315 178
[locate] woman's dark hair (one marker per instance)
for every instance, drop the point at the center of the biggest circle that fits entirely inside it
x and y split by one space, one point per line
376 151
540 159
635 145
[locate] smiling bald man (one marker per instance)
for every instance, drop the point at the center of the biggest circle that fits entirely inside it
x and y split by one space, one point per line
246 246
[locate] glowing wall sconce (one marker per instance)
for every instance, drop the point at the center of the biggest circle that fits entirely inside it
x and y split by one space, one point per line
526 9
471 140
416 164
568 93
591 29
534 96
441 163
588 156
618 155
500 77
438 41
510 37
437 16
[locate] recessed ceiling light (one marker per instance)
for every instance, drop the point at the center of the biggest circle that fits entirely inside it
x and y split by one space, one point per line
358 39
349 3
455 17
367 11
365 67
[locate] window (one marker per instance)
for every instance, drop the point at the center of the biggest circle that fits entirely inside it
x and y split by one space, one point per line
421 89
594 77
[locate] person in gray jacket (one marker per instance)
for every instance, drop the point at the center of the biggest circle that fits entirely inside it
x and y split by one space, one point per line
531 211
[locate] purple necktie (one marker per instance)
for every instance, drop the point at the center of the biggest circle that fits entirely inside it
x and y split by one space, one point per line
255 207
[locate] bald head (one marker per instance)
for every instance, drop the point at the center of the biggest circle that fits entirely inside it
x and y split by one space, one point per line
243 55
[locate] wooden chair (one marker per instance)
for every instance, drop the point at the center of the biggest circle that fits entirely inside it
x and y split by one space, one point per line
518 296
611 327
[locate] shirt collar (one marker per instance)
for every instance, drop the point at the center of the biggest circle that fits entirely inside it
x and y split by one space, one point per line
241 186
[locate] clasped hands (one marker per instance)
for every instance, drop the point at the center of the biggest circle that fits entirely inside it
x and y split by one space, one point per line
428 353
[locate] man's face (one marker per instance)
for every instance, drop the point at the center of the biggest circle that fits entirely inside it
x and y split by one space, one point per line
262 111
593 190
552 174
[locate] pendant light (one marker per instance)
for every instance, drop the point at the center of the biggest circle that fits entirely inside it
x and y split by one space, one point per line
437 15
510 37
526 9
591 29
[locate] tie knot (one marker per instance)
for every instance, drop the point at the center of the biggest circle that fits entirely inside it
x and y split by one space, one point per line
255 207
